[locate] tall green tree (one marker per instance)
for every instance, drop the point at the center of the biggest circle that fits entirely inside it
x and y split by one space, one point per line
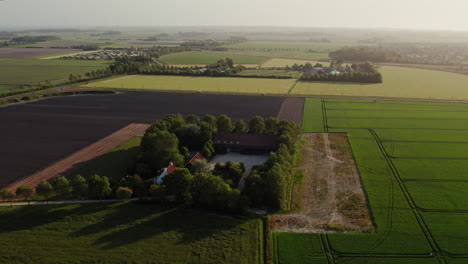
224 124
160 149
178 183
45 189
256 125
99 187
24 192
124 193
7 195
174 121
62 185
240 127
271 125
79 186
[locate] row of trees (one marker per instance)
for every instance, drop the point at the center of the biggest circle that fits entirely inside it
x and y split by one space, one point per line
96 187
360 77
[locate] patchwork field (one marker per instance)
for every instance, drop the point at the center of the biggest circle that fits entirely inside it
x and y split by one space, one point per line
197 57
398 82
125 233
266 73
42 132
286 46
412 170
204 84
17 72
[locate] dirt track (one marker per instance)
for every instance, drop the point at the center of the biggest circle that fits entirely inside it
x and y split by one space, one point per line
88 153
332 197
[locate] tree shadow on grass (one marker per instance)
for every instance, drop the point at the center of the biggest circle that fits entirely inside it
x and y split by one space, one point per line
113 165
30 217
189 226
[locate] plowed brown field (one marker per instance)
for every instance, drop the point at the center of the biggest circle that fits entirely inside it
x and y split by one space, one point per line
88 153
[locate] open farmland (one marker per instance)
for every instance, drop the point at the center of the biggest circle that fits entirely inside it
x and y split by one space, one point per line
398 82
205 84
410 158
267 73
125 233
286 46
42 132
22 53
198 57
17 72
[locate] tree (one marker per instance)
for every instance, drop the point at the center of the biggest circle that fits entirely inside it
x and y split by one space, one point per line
200 166
99 187
189 135
256 125
79 186
135 182
174 121
271 125
229 62
24 192
124 193
7 195
240 127
44 189
208 149
193 119
178 183
211 120
160 149
224 124
62 185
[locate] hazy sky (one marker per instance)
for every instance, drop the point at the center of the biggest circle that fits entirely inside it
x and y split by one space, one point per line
425 14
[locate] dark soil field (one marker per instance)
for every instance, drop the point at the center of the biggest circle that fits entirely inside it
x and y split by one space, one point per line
22 53
37 134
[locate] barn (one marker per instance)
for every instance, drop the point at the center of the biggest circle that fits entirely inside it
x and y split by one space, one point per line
244 143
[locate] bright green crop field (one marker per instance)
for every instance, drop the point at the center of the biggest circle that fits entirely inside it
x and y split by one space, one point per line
204 84
198 57
125 233
398 82
411 158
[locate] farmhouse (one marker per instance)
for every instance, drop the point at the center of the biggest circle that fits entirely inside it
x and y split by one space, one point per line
244 143
170 169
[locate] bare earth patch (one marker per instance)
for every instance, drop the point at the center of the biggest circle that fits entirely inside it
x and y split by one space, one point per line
332 197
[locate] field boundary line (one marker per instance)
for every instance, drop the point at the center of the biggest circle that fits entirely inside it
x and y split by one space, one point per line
85 154
424 228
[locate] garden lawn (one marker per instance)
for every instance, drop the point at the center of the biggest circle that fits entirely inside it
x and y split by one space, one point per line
125 233
198 57
398 82
205 84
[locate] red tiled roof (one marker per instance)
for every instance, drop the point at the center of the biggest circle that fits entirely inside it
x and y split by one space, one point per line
170 169
245 140
195 157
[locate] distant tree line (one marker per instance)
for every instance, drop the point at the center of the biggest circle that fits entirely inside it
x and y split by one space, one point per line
28 40
365 53
362 73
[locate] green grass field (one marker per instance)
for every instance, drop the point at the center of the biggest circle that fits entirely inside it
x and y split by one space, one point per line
197 57
125 233
115 163
31 71
398 82
411 158
205 84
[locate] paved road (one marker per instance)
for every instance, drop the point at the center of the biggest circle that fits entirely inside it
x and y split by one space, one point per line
67 202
